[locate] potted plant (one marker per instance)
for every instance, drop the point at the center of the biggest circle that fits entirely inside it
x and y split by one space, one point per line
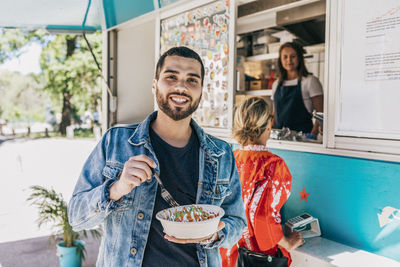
53 209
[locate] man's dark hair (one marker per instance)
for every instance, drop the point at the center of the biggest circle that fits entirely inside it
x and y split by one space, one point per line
181 51
301 68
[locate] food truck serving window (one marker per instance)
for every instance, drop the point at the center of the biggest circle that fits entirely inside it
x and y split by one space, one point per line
262 32
356 62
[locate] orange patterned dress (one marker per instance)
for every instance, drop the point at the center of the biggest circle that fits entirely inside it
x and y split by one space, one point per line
266 183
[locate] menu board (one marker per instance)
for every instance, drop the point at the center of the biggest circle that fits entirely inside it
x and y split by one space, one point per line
205 30
370 70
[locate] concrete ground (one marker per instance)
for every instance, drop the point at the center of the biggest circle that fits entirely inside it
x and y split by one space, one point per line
38 252
49 162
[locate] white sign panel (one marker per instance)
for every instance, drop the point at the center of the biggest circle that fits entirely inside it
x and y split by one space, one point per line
370 70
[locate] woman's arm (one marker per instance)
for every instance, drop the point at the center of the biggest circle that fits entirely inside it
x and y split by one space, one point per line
274 86
274 115
318 105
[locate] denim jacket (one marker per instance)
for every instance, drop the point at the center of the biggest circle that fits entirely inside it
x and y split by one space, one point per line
126 222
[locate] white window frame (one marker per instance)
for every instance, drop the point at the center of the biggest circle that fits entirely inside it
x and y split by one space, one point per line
333 144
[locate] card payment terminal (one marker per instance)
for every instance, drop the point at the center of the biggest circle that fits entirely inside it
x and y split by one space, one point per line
304 223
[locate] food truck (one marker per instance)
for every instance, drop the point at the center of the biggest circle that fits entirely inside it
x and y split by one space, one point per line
349 177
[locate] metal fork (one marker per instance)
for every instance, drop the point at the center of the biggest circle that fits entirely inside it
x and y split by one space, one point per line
164 193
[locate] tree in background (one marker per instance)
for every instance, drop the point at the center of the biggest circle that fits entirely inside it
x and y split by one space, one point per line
69 74
21 98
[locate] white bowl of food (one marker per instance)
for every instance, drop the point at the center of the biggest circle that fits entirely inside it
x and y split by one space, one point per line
190 221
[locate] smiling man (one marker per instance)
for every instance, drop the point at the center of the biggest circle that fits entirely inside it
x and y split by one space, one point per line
116 189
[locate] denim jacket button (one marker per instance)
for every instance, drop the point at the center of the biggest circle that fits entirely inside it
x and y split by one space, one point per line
133 251
140 215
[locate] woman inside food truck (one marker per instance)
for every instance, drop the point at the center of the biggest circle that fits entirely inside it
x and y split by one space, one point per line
296 93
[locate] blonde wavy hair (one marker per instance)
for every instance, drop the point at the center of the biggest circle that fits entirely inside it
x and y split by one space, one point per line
250 120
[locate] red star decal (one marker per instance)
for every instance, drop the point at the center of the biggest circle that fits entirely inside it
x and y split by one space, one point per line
303 195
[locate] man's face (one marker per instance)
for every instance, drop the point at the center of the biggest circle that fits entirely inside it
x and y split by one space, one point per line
178 88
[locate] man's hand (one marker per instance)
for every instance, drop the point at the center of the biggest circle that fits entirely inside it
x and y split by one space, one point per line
136 171
221 225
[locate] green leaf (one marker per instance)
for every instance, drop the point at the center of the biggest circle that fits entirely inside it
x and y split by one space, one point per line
53 209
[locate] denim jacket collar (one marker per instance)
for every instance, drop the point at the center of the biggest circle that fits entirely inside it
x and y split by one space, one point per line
141 136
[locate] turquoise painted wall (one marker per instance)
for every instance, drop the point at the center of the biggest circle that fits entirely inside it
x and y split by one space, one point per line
345 195
117 12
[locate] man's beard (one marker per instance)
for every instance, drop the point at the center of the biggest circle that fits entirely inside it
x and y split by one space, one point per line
178 113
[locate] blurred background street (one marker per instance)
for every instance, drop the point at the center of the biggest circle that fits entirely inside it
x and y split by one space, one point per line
49 162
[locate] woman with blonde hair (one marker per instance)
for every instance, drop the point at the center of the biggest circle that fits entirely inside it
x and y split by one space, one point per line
266 183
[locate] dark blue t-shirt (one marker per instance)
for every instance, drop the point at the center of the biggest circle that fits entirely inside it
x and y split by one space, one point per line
179 172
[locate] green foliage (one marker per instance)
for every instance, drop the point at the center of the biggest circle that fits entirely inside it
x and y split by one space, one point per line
53 209
80 250
68 66
69 74
13 40
21 98
83 133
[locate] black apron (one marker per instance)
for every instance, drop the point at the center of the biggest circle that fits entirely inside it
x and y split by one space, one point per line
290 109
